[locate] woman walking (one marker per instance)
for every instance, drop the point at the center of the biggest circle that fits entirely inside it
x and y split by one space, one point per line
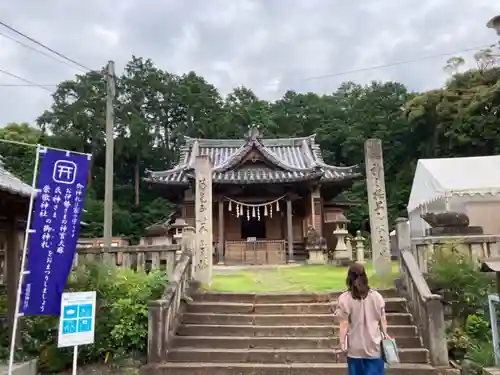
361 312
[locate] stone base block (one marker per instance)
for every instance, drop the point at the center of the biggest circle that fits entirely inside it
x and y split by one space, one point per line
316 257
24 368
342 255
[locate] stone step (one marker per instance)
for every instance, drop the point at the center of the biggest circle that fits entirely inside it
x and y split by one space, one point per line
276 297
276 319
245 342
207 368
419 355
391 305
278 331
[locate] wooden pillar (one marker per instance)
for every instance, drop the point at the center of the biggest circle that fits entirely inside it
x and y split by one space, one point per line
317 211
312 211
220 243
289 227
13 261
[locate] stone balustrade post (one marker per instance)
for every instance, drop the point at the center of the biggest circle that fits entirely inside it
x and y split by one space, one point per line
188 242
403 240
157 331
436 326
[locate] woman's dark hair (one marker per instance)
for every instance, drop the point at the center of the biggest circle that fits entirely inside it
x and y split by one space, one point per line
357 281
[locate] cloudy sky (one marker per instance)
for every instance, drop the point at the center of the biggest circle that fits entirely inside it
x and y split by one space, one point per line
268 45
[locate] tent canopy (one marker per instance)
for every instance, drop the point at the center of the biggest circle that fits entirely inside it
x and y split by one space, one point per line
447 177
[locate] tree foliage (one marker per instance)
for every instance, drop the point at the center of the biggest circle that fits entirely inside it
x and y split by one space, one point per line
155 109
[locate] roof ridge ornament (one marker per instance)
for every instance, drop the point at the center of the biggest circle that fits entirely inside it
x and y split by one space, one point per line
254 132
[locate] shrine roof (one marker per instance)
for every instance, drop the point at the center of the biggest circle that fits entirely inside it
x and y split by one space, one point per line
13 185
287 160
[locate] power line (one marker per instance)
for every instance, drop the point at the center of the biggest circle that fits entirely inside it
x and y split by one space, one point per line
38 51
353 71
44 46
24 80
375 67
24 85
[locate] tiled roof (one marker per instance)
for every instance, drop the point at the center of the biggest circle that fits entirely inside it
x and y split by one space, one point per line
295 159
13 185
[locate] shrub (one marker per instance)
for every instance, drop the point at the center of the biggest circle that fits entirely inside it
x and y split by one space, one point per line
481 353
463 286
477 327
121 318
466 289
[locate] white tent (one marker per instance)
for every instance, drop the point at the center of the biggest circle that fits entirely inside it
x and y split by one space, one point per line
447 184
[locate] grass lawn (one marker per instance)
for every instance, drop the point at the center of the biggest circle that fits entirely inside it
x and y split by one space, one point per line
303 278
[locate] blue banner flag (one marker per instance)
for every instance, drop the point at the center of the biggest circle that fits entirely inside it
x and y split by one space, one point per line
54 230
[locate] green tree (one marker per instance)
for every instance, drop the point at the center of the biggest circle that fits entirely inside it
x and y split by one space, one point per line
18 158
156 109
77 116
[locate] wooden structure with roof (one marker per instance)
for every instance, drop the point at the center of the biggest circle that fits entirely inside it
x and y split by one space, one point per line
14 206
266 193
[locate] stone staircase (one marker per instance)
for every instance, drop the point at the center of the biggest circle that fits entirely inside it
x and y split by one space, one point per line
294 334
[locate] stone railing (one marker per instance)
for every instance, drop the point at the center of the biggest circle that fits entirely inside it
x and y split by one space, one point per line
476 247
140 258
427 308
164 313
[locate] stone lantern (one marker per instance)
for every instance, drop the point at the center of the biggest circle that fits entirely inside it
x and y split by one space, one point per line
360 247
315 247
177 226
342 253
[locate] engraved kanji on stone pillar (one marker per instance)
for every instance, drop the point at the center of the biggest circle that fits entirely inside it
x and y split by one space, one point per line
203 206
377 204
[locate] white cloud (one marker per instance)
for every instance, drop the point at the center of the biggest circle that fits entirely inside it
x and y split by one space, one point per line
109 36
268 45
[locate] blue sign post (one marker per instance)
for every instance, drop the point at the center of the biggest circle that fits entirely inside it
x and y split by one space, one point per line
77 321
54 229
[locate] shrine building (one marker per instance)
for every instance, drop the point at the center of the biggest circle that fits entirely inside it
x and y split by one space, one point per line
267 194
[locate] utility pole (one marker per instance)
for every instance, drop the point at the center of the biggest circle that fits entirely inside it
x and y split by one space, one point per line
108 189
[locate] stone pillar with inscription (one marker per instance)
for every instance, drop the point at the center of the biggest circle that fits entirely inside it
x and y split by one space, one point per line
203 214
377 204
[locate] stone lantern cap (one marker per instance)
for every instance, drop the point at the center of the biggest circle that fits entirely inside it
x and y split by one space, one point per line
178 223
341 219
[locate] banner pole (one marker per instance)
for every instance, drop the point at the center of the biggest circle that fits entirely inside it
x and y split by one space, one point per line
23 260
75 358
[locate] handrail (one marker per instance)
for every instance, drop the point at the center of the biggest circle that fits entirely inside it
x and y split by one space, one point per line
178 275
426 308
164 313
417 276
